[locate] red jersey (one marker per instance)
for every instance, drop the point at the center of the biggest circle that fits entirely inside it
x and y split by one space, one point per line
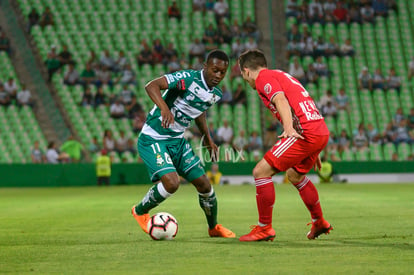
305 115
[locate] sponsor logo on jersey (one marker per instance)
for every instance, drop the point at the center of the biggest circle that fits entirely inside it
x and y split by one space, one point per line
160 161
268 88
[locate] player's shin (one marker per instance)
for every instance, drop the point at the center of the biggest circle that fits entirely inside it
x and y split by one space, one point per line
208 203
265 199
310 197
153 198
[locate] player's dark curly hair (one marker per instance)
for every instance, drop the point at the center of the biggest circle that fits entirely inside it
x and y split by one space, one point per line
219 54
252 59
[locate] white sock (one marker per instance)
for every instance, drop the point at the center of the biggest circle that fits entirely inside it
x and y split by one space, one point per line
162 191
261 224
206 195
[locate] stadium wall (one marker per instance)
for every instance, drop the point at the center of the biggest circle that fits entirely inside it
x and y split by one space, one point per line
61 175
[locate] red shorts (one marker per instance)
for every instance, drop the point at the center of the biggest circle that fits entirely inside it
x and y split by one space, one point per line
300 154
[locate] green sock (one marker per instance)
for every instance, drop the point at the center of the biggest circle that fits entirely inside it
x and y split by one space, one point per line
156 195
208 203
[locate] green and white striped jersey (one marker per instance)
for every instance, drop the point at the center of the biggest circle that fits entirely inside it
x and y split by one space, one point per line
187 96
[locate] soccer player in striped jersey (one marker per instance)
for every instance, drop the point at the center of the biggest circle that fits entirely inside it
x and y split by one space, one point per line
305 135
187 96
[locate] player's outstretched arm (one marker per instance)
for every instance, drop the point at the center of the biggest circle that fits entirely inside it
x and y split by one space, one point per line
201 123
153 89
283 107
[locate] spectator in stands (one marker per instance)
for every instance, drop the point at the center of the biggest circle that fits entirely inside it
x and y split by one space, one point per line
127 75
4 97
311 75
235 71
227 97
360 140
295 48
52 63
328 8
103 76
315 12
373 134
24 97
306 46
255 142
198 63
401 133
174 11
343 141
11 87
320 47
240 142
250 44
410 119
411 68
240 96
342 100
88 75
235 29
327 97
131 146
108 141
106 61
347 49
169 52
117 109
210 44
71 76
210 32
294 34
196 49
73 149
210 5
37 154
329 110
33 19
354 14
157 51
126 95
93 59
65 56
87 97
398 116
100 97
199 5
380 7
138 122
365 79
53 156
367 13
250 29
145 55
292 8
94 146
184 61
389 133
237 48
224 33
303 16
121 62
121 143
47 18
393 80
221 9
225 133
4 42
340 13
320 67
332 47
296 70
378 80
133 107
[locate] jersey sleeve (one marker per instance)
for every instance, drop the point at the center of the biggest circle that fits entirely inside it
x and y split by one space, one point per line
177 80
268 87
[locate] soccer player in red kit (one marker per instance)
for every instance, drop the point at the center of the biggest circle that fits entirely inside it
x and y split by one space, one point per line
305 135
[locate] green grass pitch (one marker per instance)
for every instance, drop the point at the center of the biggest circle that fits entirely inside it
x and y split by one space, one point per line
90 230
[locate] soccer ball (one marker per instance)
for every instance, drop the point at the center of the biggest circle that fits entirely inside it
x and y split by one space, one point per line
162 226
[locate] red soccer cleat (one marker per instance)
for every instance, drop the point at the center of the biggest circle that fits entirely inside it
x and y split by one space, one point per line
259 233
319 227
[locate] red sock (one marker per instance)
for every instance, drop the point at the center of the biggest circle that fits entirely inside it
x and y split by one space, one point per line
265 199
310 197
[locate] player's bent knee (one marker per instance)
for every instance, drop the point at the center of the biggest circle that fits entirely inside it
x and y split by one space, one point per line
171 183
293 176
